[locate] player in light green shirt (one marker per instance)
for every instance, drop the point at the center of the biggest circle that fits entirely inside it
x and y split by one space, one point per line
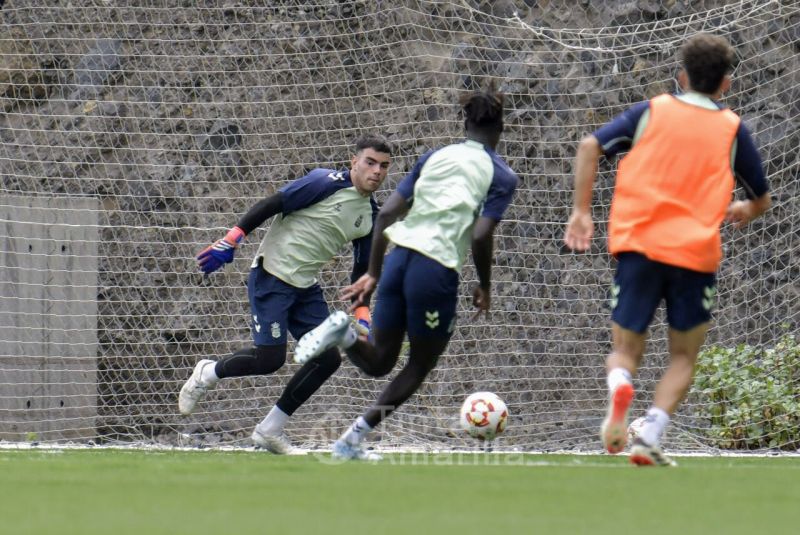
314 218
454 195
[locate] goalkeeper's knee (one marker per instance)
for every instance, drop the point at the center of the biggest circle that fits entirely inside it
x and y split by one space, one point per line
269 359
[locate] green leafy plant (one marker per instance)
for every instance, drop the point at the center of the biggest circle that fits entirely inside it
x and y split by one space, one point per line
750 395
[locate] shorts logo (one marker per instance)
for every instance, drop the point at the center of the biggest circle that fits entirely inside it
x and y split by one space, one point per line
614 296
256 325
709 297
359 220
276 329
432 319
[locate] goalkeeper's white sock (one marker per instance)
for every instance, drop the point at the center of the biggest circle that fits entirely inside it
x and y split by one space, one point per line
357 432
273 423
654 425
616 377
349 338
208 375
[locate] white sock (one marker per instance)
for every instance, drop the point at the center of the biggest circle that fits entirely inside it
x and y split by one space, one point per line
357 432
208 375
616 377
654 425
273 423
349 338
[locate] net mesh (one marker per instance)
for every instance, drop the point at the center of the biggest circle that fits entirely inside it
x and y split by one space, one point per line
136 133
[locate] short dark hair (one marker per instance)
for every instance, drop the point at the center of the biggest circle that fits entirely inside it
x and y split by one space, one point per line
483 110
375 142
707 59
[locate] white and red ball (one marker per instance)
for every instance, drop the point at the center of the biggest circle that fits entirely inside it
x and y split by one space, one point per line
483 415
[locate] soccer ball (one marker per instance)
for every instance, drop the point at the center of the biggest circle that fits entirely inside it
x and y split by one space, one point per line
635 427
483 415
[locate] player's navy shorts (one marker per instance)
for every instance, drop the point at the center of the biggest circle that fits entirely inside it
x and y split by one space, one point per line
640 284
276 307
417 294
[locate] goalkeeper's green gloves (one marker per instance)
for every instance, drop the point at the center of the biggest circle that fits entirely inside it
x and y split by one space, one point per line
221 252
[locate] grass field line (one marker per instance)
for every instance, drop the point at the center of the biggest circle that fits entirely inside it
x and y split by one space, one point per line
420 457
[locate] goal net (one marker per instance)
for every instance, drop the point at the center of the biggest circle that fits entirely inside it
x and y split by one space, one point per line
136 133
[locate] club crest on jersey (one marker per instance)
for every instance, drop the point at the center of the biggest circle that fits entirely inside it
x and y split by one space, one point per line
275 329
359 220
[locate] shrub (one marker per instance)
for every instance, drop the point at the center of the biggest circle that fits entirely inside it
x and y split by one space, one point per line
750 396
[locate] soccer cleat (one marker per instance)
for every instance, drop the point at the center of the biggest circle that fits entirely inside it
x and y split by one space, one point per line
277 444
326 335
344 451
194 388
614 432
644 455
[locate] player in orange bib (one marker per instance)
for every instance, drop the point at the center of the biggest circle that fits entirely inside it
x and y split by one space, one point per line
673 191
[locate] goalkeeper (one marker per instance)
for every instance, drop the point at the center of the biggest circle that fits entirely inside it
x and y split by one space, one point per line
454 195
316 216
673 190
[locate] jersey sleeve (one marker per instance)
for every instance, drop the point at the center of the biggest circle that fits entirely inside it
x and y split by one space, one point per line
504 183
312 188
260 212
747 166
617 135
362 247
406 186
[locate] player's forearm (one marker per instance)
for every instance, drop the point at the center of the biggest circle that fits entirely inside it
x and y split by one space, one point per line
482 256
394 207
482 247
589 151
260 212
379 246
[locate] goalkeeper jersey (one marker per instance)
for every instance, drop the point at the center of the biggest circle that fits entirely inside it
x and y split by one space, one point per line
321 213
448 189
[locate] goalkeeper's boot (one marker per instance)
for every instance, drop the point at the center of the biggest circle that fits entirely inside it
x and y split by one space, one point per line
614 432
195 388
344 451
273 443
643 454
326 335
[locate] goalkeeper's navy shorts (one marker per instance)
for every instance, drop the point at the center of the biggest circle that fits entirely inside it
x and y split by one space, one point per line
640 284
277 307
416 294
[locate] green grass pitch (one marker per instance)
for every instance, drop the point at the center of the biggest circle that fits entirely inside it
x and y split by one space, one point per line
111 491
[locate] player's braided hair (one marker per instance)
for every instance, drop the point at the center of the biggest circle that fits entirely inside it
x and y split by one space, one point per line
706 59
483 109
